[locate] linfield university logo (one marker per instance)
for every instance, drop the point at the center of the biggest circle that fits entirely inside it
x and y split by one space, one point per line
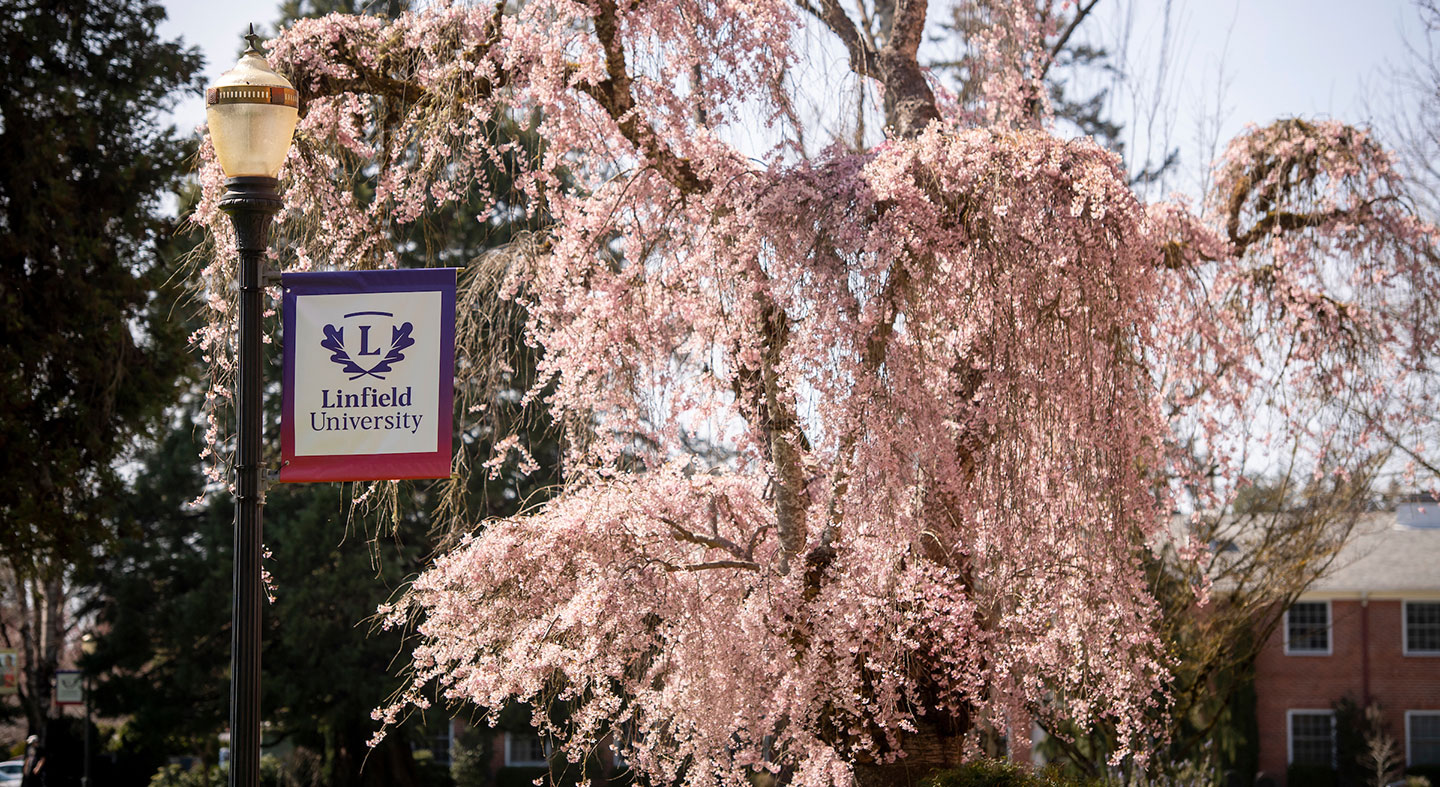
367 356
369 375
369 351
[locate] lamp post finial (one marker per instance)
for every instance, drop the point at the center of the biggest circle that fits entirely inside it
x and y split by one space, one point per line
254 40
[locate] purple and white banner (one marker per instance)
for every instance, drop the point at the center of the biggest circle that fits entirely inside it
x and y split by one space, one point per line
369 375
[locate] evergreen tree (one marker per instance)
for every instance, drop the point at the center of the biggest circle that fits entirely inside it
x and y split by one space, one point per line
164 592
89 352
89 356
166 612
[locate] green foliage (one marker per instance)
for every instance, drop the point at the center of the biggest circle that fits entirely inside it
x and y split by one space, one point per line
272 774
165 599
431 773
1002 773
179 776
1366 753
1274 541
1352 728
90 355
1211 718
470 757
165 594
165 591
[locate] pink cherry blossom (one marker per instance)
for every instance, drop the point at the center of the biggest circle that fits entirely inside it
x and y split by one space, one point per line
952 381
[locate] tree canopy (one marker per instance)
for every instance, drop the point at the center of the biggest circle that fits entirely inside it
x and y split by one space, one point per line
163 604
863 445
162 593
90 353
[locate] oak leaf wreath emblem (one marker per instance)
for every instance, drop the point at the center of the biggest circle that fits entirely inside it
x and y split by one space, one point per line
334 341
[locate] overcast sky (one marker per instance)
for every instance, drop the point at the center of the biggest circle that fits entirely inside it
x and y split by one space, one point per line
1271 58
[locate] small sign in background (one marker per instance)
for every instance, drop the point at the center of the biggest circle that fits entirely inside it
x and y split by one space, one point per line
9 672
69 687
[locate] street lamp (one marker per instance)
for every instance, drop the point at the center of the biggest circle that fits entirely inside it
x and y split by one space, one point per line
87 648
251 111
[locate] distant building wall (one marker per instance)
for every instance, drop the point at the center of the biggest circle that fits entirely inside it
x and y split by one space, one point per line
1366 663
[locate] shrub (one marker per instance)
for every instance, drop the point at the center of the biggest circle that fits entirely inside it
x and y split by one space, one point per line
179 776
1000 773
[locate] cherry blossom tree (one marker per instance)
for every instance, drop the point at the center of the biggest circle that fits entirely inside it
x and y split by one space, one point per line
863 446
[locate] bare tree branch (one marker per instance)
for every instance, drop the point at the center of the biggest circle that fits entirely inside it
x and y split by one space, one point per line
863 58
909 102
1287 221
711 542
615 96
1081 11
714 564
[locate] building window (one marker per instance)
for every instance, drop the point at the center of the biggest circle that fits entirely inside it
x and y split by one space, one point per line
1307 628
441 745
524 750
1422 737
1422 628
1312 737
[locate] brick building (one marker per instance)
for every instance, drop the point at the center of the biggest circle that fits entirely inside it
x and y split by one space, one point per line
1369 631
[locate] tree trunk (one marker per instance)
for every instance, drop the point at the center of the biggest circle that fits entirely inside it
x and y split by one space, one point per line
909 102
932 747
41 621
354 764
391 765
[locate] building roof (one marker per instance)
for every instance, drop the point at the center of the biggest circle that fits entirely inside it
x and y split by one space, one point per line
1388 553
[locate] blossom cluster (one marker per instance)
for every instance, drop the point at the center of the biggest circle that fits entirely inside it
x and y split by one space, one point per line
1305 305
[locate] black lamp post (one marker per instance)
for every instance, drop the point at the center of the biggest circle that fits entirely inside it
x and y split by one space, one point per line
87 647
251 112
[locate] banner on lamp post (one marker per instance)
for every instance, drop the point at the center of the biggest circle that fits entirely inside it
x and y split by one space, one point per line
369 375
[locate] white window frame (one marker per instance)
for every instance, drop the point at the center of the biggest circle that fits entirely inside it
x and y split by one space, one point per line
1290 732
1329 631
1405 629
510 758
1408 748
